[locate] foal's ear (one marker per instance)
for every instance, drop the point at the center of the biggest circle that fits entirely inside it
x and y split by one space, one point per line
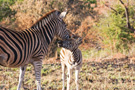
63 14
75 36
79 41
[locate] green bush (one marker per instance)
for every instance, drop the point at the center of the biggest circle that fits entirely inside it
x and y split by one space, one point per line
113 29
5 10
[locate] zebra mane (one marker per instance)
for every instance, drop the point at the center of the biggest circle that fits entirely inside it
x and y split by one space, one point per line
45 16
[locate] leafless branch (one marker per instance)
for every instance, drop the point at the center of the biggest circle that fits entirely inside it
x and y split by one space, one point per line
122 2
111 8
127 13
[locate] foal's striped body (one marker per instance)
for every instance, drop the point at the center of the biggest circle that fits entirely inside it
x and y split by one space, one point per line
72 59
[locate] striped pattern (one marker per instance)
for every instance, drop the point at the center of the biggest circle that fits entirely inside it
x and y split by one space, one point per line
71 57
19 48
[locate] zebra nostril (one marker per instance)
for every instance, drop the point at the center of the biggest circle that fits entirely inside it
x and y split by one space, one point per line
59 43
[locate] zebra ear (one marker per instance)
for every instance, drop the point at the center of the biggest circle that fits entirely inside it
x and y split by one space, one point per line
63 14
79 41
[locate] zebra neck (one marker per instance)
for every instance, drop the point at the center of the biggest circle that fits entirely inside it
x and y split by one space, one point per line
75 55
47 30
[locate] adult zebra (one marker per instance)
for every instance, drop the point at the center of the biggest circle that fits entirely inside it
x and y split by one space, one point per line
19 48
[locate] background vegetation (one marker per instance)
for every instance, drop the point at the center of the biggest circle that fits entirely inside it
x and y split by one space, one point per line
107 28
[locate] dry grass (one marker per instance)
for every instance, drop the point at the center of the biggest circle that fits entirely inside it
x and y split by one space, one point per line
118 74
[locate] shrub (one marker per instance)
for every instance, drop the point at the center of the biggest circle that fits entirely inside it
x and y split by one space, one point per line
5 10
114 32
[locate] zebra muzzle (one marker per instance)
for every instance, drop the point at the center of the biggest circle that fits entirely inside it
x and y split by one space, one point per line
60 43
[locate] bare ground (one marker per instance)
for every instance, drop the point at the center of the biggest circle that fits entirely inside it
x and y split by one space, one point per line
111 74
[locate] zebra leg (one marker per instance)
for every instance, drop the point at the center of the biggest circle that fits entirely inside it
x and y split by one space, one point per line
68 78
63 75
37 67
77 78
21 76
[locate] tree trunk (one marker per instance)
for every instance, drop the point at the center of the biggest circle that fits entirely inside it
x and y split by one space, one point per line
126 13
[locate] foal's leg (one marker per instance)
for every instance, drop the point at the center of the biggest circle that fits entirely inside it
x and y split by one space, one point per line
21 76
63 75
76 78
68 78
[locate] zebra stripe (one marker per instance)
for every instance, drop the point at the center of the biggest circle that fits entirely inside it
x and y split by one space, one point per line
19 48
71 57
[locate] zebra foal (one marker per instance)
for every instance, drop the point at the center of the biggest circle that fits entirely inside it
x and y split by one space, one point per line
20 48
71 57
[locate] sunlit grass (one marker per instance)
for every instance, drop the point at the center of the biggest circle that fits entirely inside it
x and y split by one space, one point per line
93 75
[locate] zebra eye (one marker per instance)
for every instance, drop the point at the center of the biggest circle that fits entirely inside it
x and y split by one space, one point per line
69 43
67 37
